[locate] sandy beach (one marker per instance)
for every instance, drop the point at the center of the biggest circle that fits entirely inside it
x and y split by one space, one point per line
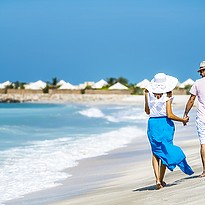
125 175
85 98
135 181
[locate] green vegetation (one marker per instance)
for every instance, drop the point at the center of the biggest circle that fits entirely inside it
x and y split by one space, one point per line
54 81
187 88
46 89
111 81
16 85
53 84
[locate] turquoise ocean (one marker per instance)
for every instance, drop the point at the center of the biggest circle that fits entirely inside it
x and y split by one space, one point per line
39 141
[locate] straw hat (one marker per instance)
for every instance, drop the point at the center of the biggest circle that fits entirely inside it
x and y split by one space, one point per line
202 66
162 83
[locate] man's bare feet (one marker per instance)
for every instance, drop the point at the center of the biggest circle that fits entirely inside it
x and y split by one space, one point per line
202 175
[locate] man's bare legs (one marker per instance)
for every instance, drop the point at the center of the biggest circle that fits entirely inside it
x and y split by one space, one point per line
159 171
203 159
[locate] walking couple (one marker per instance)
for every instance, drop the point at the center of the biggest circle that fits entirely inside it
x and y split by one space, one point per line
160 131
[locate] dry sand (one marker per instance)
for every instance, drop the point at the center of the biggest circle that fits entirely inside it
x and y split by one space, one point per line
135 185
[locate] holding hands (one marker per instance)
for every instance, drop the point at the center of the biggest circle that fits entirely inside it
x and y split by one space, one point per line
146 91
185 119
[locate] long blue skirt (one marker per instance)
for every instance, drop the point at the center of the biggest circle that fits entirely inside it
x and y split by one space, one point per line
160 133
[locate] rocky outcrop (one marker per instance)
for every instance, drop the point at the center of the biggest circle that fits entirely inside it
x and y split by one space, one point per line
9 100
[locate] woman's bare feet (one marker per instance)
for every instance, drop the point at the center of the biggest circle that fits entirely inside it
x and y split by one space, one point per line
163 183
158 185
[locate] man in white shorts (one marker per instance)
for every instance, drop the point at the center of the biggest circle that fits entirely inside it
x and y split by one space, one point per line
198 89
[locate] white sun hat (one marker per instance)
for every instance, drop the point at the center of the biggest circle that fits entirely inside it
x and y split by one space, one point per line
162 83
202 66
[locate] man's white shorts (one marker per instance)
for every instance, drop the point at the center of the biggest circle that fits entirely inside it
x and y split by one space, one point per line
200 126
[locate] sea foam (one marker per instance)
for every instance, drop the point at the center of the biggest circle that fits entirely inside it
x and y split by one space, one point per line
120 114
40 164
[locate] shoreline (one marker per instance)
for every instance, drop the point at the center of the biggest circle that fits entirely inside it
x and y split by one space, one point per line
112 184
125 176
89 175
97 99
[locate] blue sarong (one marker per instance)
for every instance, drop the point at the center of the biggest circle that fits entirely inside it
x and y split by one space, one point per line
160 133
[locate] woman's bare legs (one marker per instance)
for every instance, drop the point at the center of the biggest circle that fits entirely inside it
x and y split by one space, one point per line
162 172
156 167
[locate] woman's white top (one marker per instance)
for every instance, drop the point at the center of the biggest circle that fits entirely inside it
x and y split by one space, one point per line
158 106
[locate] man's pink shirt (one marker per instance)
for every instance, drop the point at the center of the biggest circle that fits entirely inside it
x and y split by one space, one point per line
198 89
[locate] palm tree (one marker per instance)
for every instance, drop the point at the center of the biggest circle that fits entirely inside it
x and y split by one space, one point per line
123 81
111 81
54 81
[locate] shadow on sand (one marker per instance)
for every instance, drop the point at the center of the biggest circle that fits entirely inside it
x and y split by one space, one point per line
153 187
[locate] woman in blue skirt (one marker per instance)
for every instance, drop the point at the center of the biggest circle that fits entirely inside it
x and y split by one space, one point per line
158 100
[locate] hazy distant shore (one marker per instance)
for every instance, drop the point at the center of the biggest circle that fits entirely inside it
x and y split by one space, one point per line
84 98
69 98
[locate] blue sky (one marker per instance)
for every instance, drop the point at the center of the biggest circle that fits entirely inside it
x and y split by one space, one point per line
89 40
